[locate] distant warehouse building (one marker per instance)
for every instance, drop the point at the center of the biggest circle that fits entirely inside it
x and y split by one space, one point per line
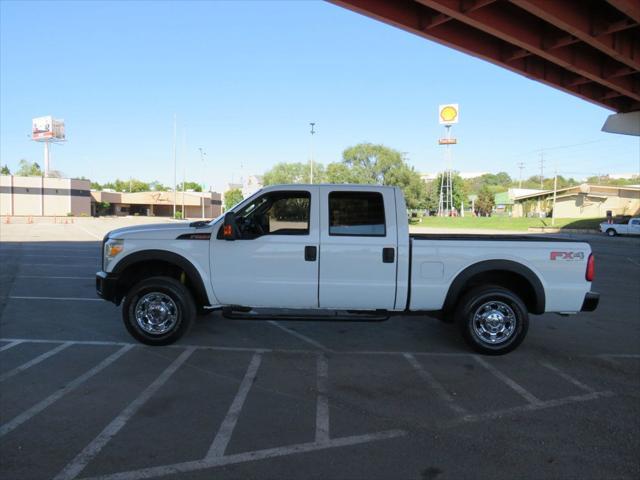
159 204
580 201
44 196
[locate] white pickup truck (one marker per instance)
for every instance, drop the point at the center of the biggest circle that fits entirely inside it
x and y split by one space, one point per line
310 250
613 229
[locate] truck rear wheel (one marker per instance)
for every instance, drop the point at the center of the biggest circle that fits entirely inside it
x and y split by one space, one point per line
493 320
158 310
611 232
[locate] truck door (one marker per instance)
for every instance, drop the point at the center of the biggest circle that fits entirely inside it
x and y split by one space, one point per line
634 226
275 262
358 248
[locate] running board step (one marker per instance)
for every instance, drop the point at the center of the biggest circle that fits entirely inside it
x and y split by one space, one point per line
304 315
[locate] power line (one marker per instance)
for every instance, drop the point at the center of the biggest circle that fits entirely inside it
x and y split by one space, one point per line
521 167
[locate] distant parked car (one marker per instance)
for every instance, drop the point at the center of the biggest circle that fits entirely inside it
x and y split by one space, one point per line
613 229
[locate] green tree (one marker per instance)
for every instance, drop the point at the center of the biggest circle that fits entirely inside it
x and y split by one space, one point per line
5 170
232 197
131 185
96 186
299 172
613 182
497 182
459 192
196 187
485 202
103 208
371 164
28 169
156 186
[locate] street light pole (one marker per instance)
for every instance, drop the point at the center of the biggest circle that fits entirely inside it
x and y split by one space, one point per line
175 166
202 155
312 133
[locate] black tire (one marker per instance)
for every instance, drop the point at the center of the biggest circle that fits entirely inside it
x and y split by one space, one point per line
181 306
494 300
611 232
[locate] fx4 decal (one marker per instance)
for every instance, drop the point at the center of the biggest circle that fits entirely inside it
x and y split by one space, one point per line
567 256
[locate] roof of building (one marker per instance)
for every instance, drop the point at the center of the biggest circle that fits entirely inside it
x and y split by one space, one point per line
583 188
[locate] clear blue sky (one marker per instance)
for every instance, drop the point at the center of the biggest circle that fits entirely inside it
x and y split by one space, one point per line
245 78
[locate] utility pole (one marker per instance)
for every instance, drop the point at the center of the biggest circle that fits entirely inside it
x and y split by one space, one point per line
175 167
541 168
184 169
311 160
521 167
202 155
555 188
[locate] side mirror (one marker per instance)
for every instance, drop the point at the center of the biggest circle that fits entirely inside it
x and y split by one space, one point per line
229 227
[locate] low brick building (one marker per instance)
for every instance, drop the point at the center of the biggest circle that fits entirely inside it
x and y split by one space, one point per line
581 201
43 196
159 204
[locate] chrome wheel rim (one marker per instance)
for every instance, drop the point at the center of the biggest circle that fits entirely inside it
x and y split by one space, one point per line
494 322
156 313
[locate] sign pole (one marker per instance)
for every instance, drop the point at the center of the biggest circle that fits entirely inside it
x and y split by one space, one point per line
46 158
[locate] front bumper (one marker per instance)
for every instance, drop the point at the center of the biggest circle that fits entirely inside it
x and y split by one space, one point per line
107 286
590 303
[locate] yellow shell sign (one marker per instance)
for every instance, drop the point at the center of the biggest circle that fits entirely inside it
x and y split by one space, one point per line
448 114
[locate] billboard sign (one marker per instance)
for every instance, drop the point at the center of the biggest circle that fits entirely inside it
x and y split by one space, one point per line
47 128
448 114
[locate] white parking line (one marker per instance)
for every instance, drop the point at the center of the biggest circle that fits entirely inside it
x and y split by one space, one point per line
528 396
302 337
633 261
72 299
210 462
567 377
34 361
11 344
223 436
322 405
40 406
434 384
88 232
558 402
75 467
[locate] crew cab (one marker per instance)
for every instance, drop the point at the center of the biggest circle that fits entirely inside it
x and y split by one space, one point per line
613 229
301 251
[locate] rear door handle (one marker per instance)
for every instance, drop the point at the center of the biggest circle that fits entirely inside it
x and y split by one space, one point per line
388 255
310 253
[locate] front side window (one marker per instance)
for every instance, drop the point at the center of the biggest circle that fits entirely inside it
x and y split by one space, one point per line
356 214
276 213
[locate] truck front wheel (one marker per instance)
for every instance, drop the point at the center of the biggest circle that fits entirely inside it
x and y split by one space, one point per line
158 310
493 320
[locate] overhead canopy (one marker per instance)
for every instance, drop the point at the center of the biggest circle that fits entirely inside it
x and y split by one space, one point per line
588 48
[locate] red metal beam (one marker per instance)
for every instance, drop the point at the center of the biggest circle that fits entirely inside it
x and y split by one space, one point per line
631 8
412 17
524 31
579 22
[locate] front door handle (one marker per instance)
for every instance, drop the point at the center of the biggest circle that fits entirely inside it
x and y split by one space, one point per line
310 253
388 255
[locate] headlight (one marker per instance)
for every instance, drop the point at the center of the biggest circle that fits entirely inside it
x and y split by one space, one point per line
112 248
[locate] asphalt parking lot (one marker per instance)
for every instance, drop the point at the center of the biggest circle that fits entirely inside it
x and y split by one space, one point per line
250 399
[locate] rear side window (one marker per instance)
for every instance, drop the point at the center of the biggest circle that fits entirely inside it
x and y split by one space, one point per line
356 214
